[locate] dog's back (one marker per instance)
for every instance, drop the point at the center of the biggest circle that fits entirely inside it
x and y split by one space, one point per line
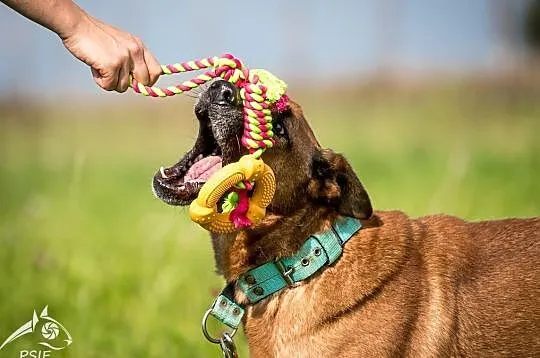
436 286
498 297
482 294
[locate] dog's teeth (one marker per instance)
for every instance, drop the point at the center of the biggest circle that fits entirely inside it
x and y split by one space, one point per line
199 157
190 163
163 175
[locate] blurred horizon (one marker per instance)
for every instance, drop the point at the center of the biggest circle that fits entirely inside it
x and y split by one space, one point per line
302 42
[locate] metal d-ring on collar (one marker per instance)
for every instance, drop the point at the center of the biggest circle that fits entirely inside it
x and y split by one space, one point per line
228 312
209 336
226 343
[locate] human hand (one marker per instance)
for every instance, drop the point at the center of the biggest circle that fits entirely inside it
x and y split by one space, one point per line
112 54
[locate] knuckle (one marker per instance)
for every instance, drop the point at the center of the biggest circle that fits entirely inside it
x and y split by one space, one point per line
117 62
135 48
121 59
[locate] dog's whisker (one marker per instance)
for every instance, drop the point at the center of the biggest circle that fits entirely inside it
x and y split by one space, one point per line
238 143
191 95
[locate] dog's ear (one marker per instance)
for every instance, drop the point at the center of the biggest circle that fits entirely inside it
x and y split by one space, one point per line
335 183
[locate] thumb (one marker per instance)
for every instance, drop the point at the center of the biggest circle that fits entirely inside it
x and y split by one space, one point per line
105 79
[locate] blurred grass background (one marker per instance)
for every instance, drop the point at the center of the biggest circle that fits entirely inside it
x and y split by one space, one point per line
129 276
435 104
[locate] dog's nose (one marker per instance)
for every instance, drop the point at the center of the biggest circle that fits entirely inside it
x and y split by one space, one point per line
225 92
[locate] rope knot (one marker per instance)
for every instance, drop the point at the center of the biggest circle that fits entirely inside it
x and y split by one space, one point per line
230 69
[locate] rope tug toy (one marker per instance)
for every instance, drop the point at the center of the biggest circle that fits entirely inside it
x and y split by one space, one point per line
261 92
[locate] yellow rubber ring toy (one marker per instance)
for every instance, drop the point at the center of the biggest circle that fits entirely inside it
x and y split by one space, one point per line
203 210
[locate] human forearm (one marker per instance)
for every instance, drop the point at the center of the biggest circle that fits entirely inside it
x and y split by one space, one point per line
59 16
112 54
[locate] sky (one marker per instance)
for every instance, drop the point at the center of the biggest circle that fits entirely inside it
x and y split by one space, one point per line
316 40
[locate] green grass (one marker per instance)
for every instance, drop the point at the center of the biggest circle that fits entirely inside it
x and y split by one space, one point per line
130 276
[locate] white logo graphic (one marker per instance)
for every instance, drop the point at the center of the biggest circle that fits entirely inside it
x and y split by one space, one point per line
51 329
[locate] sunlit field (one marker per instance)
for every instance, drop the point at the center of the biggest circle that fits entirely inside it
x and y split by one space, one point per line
129 276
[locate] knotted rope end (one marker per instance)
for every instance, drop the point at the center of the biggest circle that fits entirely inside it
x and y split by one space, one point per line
275 87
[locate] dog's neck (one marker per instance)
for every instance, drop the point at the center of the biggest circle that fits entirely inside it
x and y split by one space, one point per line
276 236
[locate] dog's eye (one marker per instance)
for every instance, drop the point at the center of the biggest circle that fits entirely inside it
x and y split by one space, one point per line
279 129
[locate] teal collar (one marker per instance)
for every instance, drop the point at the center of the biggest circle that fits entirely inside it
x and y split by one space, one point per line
318 252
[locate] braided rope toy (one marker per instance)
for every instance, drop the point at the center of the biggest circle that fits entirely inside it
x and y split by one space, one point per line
261 92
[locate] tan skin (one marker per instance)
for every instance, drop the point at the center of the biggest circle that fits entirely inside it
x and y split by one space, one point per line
111 53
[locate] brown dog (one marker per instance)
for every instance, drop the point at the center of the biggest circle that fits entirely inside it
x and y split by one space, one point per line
435 286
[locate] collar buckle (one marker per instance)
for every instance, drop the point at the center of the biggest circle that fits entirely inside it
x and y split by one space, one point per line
285 272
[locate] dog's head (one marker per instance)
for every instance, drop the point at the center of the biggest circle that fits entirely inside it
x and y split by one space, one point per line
305 173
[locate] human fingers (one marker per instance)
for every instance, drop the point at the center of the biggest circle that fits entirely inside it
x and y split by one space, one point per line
105 79
123 76
154 68
140 67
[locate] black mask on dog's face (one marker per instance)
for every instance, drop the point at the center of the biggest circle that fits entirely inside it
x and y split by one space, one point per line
219 111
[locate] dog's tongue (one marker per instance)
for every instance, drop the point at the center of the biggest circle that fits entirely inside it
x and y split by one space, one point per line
203 169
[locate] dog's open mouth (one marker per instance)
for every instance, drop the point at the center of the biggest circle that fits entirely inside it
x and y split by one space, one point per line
220 119
180 184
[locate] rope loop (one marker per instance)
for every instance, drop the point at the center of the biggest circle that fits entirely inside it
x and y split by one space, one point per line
254 88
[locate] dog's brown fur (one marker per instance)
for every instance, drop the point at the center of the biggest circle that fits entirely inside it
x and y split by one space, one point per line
435 286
